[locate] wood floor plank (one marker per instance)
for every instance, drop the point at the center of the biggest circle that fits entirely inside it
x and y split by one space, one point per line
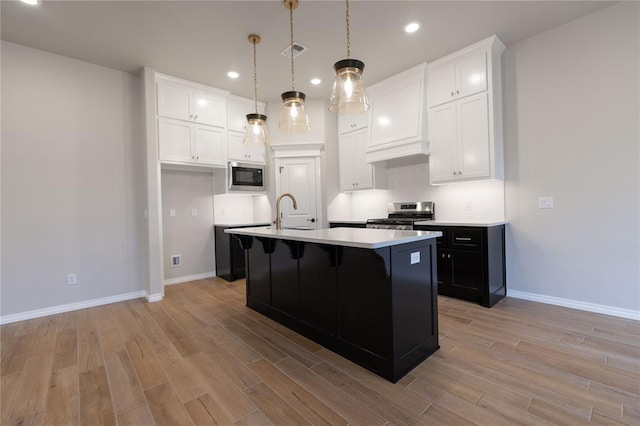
145 363
257 418
264 348
8 385
206 411
312 408
438 415
176 334
166 407
220 386
556 414
274 407
111 339
15 351
378 403
89 349
138 416
63 407
96 407
409 400
343 404
187 382
66 349
123 382
31 393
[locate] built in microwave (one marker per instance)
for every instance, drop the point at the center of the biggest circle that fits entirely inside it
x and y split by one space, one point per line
246 177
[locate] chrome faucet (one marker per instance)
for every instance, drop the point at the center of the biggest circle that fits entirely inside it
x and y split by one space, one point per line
278 221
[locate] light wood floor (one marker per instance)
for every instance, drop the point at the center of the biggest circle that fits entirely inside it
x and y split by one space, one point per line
201 357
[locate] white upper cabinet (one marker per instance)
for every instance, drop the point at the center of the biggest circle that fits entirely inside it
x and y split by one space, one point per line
192 103
398 116
350 122
457 78
465 114
237 110
182 142
192 123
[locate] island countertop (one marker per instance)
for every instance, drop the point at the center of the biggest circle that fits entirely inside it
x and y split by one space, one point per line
349 237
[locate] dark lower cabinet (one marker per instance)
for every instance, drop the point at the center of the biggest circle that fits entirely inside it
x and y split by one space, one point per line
376 307
347 225
471 263
229 254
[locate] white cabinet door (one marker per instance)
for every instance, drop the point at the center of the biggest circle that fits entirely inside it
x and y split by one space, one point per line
441 83
457 78
443 160
209 145
174 100
175 140
238 151
473 137
298 176
471 74
350 122
347 161
363 171
209 108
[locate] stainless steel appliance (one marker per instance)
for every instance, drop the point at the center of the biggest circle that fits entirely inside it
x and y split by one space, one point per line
246 177
403 214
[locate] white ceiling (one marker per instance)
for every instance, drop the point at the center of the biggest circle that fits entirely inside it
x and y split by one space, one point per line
202 40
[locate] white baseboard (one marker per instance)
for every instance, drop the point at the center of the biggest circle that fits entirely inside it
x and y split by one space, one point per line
576 304
188 278
154 297
6 319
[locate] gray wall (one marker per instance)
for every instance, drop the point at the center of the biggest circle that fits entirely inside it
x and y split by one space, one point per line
189 236
571 131
72 185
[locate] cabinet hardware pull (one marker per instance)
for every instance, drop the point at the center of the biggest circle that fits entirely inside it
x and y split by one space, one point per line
463 238
452 94
458 92
198 157
195 116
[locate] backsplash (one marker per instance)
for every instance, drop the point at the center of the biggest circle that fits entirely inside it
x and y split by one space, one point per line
232 209
410 182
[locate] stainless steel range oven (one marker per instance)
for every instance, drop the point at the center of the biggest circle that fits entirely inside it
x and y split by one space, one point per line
402 215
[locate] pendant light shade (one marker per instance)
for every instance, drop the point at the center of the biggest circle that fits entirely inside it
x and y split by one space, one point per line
256 123
293 117
348 95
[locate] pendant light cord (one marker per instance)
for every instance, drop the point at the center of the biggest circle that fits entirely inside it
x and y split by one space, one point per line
348 34
293 80
255 78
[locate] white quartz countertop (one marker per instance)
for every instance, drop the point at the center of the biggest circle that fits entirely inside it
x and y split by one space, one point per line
480 223
350 237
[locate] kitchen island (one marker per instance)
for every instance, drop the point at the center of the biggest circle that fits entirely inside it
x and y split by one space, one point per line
369 295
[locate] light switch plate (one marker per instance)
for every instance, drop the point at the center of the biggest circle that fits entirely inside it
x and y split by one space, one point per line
545 202
415 257
194 212
172 212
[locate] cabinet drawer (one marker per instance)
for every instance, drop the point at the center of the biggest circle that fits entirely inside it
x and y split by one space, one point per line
465 238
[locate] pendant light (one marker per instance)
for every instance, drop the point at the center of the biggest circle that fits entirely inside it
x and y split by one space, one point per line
256 123
348 95
293 117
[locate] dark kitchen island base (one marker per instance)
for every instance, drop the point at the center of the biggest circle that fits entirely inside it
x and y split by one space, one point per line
376 307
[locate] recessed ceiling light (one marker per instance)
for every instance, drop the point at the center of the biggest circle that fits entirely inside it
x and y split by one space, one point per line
315 81
233 74
412 27
31 2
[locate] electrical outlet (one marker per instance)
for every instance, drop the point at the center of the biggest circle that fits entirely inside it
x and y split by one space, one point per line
467 205
545 202
172 212
72 279
415 257
176 260
194 212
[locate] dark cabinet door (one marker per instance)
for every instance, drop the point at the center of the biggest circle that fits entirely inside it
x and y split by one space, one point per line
284 277
318 287
445 273
259 282
468 270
